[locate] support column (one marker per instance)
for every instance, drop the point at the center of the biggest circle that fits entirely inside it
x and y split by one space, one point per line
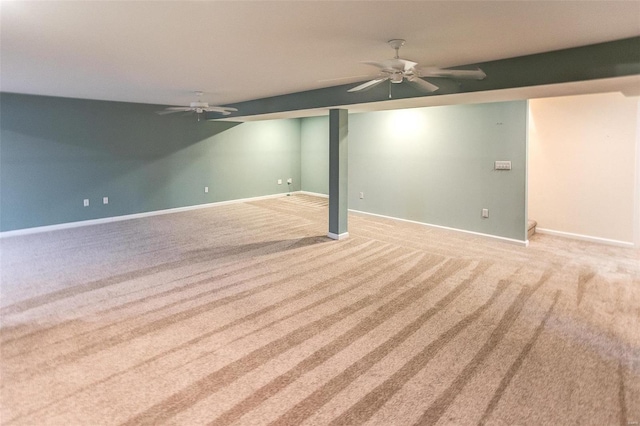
338 157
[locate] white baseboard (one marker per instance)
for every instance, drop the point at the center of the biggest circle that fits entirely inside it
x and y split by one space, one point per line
524 243
68 225
585 238
338 236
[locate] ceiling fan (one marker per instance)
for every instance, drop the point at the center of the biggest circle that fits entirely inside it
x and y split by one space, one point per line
397 70
198 107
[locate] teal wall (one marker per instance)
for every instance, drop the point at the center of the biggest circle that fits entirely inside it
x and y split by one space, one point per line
434 165
314 147
55 152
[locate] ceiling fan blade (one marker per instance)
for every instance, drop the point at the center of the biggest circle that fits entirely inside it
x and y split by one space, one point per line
407 65
476 74
377 64
223 110
171 111
353 77
393 65
368 85
422 84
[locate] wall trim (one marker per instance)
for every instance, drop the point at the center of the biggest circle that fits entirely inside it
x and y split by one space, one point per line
581 237
524 243
78 224
91 222
338 236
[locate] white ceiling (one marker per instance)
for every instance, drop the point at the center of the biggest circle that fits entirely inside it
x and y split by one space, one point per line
161 52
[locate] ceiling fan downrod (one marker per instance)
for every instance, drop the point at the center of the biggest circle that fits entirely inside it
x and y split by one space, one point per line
396 44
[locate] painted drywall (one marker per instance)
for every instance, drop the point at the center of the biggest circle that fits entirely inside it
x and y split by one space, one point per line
55 152
314 149
435 165
582 165
432 165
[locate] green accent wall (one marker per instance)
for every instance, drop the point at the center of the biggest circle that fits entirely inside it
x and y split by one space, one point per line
314 147
55 152
434 165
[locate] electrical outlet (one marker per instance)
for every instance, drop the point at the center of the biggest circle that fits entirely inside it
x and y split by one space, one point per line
206 189
105 200
485 213
289 180
86 202
279 181
502 165
362 195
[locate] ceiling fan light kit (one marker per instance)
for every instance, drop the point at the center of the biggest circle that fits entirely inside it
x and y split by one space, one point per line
397 70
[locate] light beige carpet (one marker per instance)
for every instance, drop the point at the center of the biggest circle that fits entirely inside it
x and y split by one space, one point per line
247 314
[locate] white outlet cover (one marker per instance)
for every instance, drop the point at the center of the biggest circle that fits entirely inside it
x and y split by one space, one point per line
86 202
502 165
279 181
206 189
105 200
289 180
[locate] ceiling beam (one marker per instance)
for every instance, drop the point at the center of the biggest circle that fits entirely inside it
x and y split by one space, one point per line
597 61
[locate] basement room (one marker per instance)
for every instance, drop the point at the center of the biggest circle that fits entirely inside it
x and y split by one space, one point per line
320 213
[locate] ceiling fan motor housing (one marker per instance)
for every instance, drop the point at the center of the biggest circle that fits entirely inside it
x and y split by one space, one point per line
199 105
396 77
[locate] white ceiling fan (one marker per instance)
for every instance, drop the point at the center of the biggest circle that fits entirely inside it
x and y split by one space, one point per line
198 107
397 70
